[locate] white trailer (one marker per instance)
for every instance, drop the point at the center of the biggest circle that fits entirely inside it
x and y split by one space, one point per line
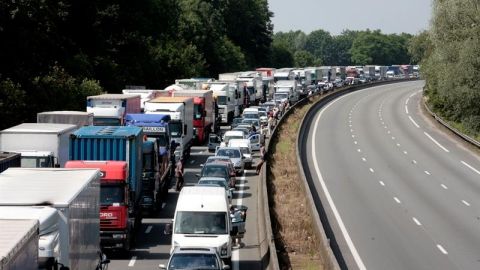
227 96
18 244
75 194
40 144
77 118
110 109
369 72
284 74
180 110
145 94
254 84
289 87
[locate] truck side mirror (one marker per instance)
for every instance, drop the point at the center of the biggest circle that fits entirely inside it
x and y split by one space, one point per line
168 229
204 113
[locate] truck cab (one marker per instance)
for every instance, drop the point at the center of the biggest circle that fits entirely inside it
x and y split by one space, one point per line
37 159
110 109
115 225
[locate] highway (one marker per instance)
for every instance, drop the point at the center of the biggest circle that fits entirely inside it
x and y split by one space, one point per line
399 192
153 246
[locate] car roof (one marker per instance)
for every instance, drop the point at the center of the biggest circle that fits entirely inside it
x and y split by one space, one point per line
218 157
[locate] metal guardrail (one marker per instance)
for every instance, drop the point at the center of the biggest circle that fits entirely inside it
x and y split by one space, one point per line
454 130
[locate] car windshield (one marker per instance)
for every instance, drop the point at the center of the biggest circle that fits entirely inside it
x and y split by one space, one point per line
250 116
193 261
110 194
229 153
187 222
214 171
280 96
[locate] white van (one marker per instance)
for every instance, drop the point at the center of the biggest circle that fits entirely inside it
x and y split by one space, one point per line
245 147
231 134
202 219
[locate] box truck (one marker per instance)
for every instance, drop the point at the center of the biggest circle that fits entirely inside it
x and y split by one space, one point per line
18 244
75 195
145 95
110 109
77 118
180 110
9 159
41 145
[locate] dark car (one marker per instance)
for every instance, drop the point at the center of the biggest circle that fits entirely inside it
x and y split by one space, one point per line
194 258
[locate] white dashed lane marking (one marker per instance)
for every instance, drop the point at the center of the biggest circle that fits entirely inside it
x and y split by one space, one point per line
149 229
442 249
444 187
417 222
381 183
132 261
466 203
437 143
397 200
427 173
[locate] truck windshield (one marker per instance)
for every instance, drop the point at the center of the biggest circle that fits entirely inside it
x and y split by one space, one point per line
222 100
147 162
110 194
197 111
189 222
36 162
176 129
101 121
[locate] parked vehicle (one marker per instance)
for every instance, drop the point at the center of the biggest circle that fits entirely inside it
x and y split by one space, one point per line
40 145
77 248
77 118
201 220
115 144
245 148
235 155
156 156
18 244
217 182
194 258
180 110
110 109
204 115
9 159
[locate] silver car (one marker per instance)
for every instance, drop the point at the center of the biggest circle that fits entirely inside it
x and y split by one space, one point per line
194 258
235 155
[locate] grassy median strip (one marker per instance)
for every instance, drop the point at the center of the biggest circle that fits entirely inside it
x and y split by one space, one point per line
298 246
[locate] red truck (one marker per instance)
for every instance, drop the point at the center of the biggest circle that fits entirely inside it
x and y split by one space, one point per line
115 228
205 116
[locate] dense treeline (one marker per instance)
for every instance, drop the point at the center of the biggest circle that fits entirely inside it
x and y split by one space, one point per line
54 53
451 62
295 48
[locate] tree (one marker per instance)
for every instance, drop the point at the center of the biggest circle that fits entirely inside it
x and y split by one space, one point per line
319 44
12 103
303 59
281 57
420 47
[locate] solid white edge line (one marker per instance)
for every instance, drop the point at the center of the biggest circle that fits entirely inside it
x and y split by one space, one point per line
236 253
406 101
427 173
442 249
132 261
470 167
371 170
149 229
413 121
416 221
437 143
349 241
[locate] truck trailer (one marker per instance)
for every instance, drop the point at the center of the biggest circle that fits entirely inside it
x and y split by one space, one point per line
18 244
96 143
75 195
9 159
41 145
110 109
180 110
77 118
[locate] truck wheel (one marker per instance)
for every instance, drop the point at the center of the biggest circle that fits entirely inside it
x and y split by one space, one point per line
228 261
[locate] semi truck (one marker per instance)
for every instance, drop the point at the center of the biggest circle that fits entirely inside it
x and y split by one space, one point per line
40 145
253 83
284 74
204 113
229 98
74 195
18 244
290 86
369 73
156 158
145 95
77 118
116 229
328 73
180 110
98 143
381 72
9 159
110 109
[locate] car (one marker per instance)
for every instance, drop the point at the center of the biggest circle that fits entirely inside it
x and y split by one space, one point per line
218 182
217 169
194 258
246 149
251 121
235 155
243 128
228 162
269 105
236 121
232 134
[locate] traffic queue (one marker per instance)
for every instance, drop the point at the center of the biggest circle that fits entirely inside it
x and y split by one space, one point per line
86 179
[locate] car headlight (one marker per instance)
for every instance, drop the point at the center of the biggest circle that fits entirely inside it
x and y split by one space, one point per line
224 250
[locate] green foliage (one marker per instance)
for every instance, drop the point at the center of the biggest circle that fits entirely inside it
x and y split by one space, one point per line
12 103
303 59
452 60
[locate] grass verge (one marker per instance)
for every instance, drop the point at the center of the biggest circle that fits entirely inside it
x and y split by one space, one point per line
292 224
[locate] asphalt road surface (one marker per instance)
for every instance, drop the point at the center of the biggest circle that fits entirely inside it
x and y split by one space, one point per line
153 246
401 193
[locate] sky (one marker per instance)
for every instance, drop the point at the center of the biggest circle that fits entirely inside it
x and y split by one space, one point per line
334 16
